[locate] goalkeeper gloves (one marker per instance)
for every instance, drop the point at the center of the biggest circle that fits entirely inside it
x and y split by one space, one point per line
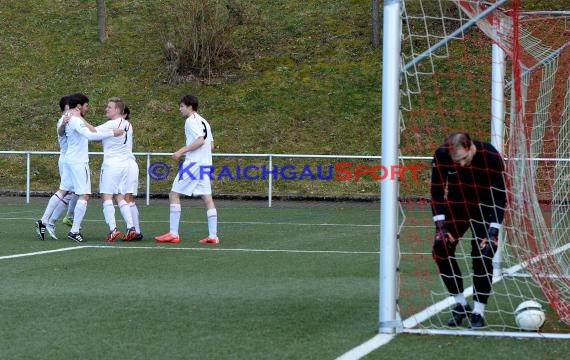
489 245
443 243
441 232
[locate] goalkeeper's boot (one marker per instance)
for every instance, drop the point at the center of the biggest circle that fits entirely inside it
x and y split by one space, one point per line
113 234
67 221
477 321
77 237
130 235
168 237
40 230
458 313
51 231
210 240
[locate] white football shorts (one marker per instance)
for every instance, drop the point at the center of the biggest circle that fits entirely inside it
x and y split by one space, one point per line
190 181
77 178
62 176
132 184
113 179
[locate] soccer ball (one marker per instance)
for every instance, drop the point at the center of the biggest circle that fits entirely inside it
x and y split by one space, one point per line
529 316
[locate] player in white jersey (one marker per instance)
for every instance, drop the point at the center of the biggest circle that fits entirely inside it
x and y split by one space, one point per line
71 198
191 178
76 162
117 155
51 214
133 187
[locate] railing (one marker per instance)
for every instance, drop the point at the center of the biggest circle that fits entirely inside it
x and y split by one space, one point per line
149 156
269 159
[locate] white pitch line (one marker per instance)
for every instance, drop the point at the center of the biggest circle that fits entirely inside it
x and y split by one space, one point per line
234 249
14 256
296 224
226 222
367 347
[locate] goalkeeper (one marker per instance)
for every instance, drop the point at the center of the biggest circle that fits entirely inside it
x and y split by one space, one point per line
467 191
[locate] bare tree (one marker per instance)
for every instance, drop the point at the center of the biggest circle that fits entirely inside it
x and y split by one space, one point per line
101 21
376 23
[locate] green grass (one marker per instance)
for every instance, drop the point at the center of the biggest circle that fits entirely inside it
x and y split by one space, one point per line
298 280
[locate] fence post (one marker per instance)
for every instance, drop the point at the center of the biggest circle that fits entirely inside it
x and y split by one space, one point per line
147 179
28 161
270 182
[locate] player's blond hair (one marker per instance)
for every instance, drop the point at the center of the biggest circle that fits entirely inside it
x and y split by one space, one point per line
118 103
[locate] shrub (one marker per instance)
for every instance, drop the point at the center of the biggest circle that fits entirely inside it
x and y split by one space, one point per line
197 37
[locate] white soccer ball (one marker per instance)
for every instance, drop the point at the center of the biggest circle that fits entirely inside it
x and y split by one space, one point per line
529 315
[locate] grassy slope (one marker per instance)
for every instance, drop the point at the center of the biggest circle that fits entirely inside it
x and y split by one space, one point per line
308 75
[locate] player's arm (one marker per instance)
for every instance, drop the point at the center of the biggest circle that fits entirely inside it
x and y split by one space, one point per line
81 128
443 244
437 188
61 129
61 125
91 128
496 170
498 186
199 141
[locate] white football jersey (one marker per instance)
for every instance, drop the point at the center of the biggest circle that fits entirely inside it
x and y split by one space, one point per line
61 139
117 150
78 136
195 127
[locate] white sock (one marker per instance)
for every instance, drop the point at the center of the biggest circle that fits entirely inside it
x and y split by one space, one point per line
175 212
53 202
212 223
109 214
135 216
71 207
59 209
478 308
80 210
460 299
126 212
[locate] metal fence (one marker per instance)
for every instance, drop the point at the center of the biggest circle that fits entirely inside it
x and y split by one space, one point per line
266 168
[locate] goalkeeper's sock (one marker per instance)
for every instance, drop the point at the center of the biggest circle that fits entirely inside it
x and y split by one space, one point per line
478 308
175 212
460 299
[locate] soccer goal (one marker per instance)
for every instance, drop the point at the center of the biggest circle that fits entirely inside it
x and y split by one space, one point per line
501 71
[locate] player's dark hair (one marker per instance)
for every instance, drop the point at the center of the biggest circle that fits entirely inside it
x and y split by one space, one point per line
63 101
458 139
77 99
190 100
127 112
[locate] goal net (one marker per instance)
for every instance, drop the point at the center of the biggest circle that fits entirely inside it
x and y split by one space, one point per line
451 52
